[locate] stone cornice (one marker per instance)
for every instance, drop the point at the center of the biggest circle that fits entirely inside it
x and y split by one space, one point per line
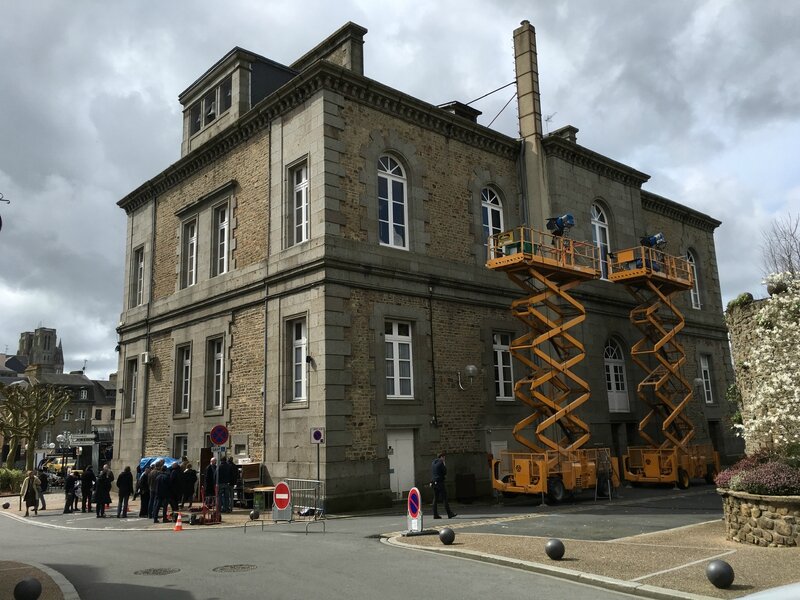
592 161
322 76
677 212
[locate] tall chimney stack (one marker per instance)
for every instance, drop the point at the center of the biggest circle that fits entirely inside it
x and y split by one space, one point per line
530 124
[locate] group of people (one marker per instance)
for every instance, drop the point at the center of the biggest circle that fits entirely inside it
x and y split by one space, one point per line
228 475
89 488
161 488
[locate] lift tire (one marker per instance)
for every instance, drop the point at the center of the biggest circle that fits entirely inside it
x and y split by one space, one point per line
556 490
711 474
508 494
683 479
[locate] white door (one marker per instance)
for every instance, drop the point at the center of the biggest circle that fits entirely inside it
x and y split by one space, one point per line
400 448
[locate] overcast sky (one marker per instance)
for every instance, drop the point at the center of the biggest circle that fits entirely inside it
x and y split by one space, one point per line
704 96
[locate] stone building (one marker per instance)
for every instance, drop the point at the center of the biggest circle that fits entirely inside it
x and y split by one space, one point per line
43 349
315 260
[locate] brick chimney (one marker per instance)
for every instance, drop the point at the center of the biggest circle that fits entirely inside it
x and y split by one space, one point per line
530 125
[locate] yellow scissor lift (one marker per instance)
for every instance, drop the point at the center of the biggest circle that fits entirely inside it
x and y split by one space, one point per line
547 267
653 277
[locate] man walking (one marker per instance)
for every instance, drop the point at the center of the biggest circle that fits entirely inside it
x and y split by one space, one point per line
438 474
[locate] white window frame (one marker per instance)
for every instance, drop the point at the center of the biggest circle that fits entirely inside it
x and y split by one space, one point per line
81 414
131 387
299 221
137 279
705 374
600 236
189 252
48 437
396 235
184 378
65 416
220 239
216 374
84 394
180 445
503 367
298 334
616 378
491 214
695 291
207 111
399 360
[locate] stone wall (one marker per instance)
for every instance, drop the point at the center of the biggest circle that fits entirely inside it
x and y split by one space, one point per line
761 520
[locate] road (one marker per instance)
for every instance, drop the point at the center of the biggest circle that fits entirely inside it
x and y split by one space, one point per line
348 561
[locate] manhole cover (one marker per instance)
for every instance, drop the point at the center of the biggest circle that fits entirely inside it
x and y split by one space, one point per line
156 572
234 568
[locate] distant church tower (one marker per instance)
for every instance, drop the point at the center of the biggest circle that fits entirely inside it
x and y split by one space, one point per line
42 348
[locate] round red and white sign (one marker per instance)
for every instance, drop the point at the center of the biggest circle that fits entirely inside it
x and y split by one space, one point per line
282 496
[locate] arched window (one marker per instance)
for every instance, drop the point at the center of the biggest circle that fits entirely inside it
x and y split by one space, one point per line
695 295
392 204
614 361
600 236
491 213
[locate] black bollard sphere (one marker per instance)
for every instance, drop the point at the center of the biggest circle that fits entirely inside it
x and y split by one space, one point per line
720 574
28 589
254 514
6 505
447 536
554 549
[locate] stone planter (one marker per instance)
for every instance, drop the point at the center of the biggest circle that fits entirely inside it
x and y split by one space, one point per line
761 520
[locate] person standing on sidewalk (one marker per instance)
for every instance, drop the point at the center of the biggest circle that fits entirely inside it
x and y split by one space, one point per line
88 480
30 493
155 471
209 482
70 484
188 484
124 489
43 486
438 474
160 493
102 494
143 491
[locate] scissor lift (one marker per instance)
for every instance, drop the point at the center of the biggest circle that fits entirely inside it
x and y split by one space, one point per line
547 267
653 277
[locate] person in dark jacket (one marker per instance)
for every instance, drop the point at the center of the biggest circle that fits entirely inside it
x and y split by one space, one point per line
102 494
175 488
88 481
69 492
143 490
188 483
43 487
226 474
155 471
161 495
210 481
438 473
125 489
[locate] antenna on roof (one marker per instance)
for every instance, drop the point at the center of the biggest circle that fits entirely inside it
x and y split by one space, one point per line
84 365
549 118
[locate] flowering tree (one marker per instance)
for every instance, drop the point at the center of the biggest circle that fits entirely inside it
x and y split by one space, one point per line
772 415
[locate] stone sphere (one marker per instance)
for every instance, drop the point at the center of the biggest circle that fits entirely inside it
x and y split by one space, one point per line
254 514
720 574
447 536
28 589
6 505
554 549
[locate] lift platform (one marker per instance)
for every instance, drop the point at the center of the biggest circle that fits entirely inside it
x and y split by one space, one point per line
653 278
547 267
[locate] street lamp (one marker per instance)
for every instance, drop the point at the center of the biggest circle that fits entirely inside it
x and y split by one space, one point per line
63 438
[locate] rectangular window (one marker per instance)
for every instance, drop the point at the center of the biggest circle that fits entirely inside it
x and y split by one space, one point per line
189 254
214 375
98 414
137 278
299 366
81 414
113 414
226 95
705 374
183 379
48 437
195 118
181 446
220 241
503 374
84 394
131 387
65 417
217 101
399 367
299 208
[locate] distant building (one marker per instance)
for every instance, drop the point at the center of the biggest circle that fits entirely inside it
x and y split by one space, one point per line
42 348
316 260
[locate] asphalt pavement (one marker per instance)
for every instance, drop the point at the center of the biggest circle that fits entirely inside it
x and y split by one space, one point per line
647 542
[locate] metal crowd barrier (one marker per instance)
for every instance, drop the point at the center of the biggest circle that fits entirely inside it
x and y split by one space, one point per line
307 504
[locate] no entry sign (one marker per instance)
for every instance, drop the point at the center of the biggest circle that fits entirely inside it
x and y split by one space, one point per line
282 496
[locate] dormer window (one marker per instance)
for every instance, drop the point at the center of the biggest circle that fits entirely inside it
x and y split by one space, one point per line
216 102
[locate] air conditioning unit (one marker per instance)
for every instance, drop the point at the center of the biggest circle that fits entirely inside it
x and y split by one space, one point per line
145 358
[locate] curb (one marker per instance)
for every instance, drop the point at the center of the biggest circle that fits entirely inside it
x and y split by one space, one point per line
617 585
67 589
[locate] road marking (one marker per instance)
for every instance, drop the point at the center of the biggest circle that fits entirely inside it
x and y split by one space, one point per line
638 535
689 564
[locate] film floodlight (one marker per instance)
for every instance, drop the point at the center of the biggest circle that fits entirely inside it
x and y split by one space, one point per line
559 225
656 240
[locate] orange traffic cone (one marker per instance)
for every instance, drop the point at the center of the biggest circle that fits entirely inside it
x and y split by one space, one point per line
178 524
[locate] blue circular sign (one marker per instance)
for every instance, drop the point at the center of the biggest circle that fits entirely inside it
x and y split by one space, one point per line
413 503
219 435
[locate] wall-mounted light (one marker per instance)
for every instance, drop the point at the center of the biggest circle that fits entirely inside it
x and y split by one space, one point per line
470 371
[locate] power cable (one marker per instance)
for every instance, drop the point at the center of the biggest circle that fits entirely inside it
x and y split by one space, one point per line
492 92
502 109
